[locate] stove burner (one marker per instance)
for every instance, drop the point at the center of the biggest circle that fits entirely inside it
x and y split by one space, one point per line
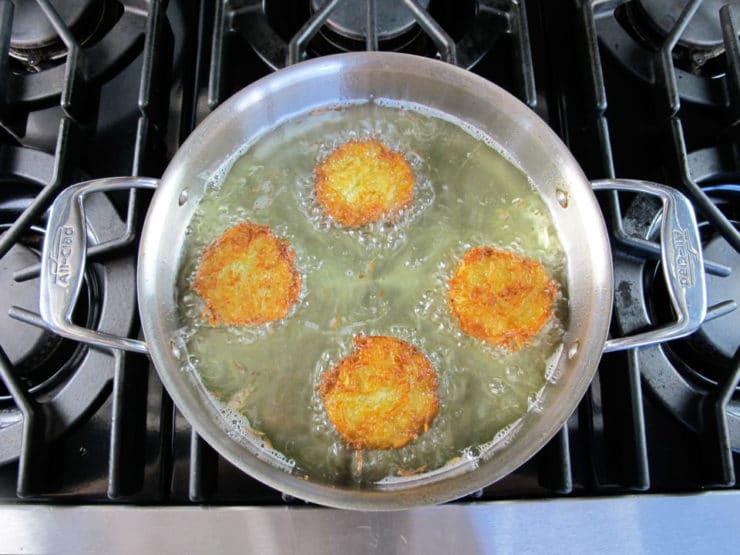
41 359
66 377
349 18
107 100
684 374
107 30
706 356
634 31
699 49
27 348
269 25
34 41
703 30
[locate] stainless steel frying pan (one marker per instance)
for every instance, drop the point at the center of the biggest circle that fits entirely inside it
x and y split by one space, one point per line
329 81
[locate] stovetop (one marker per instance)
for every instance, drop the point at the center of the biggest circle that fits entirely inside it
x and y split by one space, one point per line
638 89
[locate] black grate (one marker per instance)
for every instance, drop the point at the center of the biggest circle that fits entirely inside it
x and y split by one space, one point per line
135 447
617 414
38 467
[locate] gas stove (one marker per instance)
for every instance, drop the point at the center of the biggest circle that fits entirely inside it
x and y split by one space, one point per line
638 89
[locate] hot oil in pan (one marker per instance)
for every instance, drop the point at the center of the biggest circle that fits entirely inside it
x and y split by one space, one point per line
384 279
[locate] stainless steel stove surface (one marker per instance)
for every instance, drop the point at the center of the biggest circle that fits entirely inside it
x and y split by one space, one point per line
637 89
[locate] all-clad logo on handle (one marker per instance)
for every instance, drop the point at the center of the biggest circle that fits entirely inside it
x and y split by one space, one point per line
60 255
685 258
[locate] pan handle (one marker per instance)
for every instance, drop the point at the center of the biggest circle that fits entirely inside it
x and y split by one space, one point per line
63 262
682 262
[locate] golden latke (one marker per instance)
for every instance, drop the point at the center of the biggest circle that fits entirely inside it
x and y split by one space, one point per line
362 182
382 395
501 297
247 277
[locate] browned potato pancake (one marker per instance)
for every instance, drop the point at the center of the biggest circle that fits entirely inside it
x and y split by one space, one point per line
362 182
382 395
247 277
501 297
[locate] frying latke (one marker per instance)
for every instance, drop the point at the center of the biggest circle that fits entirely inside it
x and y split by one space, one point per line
382 395
247 277
362 182
501 297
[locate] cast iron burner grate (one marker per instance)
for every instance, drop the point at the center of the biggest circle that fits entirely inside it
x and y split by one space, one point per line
706 356
346 29
97 37
44 401
283 32
35 45
678 40
685 374
62 380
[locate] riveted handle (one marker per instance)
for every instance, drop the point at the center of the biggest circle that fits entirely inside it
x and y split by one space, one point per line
682 262
64 257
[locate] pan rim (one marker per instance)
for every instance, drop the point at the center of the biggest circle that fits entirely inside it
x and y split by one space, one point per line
154 322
